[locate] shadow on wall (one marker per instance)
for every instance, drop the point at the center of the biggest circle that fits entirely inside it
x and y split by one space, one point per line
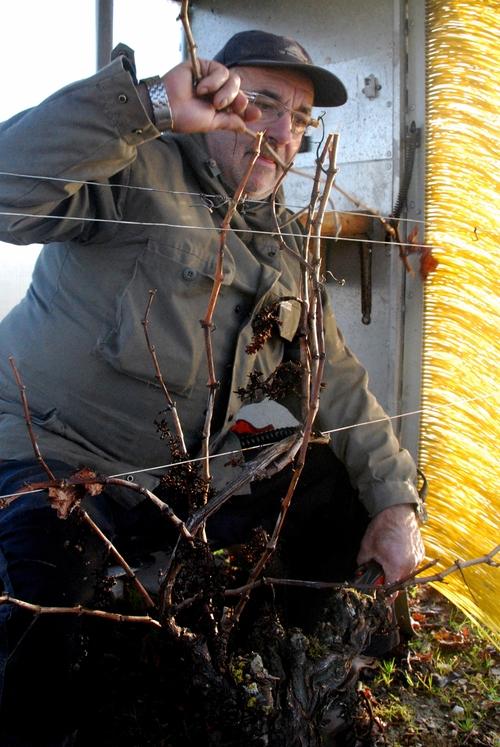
16 267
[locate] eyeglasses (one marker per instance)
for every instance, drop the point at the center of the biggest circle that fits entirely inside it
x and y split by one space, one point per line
272 110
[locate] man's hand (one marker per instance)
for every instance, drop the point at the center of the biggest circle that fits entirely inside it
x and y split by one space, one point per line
393 539
216 103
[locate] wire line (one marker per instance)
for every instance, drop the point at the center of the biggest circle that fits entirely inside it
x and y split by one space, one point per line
160 224
262 446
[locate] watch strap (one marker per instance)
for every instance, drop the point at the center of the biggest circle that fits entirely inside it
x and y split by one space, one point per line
160 105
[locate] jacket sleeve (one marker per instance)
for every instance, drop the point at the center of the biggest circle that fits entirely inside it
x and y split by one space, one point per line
384 474
88 131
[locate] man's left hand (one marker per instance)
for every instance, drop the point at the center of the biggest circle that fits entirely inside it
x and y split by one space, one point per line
393 539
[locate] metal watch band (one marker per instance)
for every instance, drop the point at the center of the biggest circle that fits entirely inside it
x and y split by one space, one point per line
162 114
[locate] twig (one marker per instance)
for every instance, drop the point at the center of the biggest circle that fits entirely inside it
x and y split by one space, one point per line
29 423
303 441
305 331
458 565
192 47
267 580
4 502
117 555
389 229
389 589
315 340
315 322
254 470
63 485
163 507
158 375
167 585
68 483
79 611
392 231
166 591
207 321
374 720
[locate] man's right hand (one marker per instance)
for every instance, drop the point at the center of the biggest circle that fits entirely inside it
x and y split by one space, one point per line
393 540
216 103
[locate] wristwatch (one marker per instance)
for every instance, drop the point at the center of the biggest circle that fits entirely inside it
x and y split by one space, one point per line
162 114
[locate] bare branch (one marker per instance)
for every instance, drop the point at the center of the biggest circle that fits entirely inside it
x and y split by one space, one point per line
158 375
312 401
163 507
192 47
458 565
29 423
167 585
207 321
118 556
388 589
63 486
79 611
254 470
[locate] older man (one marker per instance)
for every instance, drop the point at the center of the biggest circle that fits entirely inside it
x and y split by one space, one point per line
134 181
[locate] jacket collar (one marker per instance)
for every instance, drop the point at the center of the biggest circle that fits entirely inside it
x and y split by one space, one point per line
256 215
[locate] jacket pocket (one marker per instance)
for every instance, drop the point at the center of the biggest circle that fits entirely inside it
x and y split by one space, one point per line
183 277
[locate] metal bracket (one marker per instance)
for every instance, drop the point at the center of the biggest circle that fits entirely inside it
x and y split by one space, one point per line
372 87
413 135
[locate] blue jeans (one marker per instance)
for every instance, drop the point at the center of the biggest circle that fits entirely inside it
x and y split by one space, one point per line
51 562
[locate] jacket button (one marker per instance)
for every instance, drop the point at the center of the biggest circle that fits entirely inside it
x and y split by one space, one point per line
122 98
237 309
188 273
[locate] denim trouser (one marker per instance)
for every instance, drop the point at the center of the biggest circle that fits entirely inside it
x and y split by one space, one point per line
54 562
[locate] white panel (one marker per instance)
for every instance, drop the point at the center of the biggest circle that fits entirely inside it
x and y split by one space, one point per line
365 124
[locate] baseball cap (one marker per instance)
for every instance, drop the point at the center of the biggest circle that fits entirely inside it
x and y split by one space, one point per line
262 49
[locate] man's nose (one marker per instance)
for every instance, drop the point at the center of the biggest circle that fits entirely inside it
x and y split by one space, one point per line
281 129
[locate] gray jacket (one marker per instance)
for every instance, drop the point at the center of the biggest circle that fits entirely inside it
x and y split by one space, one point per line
122 211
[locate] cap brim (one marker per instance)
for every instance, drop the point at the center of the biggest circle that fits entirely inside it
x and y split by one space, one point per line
328 89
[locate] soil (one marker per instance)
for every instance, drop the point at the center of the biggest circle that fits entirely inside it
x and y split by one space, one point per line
440 687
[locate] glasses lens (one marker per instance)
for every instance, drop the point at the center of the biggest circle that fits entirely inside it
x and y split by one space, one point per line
272 110
300 122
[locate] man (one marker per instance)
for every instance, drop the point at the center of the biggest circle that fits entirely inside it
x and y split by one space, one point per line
124 208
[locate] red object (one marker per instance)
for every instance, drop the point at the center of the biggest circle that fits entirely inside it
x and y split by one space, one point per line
428 263
370 574
244 427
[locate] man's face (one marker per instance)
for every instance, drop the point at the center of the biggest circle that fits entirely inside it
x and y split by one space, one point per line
233 151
